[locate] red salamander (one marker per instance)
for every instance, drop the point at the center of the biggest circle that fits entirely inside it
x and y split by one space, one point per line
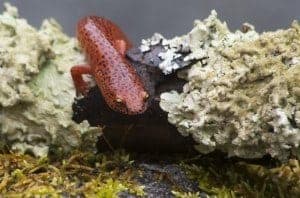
105 46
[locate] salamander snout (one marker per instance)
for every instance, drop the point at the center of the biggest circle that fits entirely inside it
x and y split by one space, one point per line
132 105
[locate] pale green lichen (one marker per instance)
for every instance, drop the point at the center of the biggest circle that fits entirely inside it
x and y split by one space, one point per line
36 91
242 96
22 54
199 44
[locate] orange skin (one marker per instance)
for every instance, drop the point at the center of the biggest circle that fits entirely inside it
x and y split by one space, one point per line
105 46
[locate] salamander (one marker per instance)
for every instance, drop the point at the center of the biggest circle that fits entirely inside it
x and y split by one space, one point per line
105 46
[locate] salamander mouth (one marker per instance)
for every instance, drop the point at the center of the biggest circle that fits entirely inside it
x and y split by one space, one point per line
136 109
137 112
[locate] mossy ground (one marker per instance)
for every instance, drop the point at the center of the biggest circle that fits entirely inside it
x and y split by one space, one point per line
82 174
108 174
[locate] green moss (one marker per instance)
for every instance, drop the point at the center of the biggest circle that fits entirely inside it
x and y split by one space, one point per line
219 177
40 191
108 174
109 188
102 175
185 194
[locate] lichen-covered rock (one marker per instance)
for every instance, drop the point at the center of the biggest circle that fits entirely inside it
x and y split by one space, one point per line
36 89
21 56
243 93
199 44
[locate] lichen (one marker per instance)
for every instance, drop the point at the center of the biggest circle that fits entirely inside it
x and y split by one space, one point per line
22 54
242 95
36 91
199 44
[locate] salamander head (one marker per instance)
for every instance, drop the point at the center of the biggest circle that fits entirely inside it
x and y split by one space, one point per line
131 104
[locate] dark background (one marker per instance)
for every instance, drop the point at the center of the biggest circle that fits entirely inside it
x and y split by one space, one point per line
141 18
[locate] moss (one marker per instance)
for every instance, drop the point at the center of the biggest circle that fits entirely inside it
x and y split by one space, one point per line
283 180
185 194
108 174
109 188
219 177
39 191
102 175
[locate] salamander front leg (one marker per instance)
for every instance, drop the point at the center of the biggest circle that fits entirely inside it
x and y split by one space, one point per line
76 73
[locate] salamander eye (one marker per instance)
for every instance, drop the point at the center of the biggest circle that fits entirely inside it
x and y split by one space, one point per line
120 104
145 95
119 99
